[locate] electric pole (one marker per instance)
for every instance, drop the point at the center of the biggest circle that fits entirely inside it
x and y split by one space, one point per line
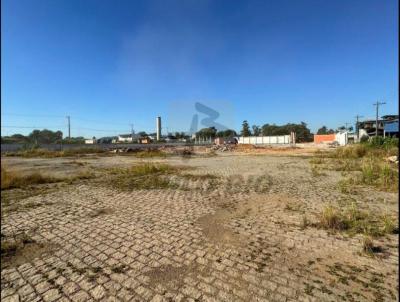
358 132
132 132
377 112
69 127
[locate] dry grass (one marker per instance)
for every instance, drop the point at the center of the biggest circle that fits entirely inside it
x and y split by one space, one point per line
379 174
200 177
316 171
150 154
374 173
369 247
368 159
145 176
12 179
355 221
44 153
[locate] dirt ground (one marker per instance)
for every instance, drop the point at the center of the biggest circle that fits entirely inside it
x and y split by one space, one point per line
240 238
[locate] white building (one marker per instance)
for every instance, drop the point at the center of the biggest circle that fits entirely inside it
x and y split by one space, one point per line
90 141
127 138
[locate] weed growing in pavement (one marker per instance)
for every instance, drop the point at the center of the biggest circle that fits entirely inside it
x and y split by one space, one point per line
143 176
368 246
10 246
355 221
316 171
368 158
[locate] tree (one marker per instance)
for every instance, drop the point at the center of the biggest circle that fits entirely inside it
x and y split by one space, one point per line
142 134
245 129
45 136
256 130
322 130
226 133
180 135
74 140
303 134
207 132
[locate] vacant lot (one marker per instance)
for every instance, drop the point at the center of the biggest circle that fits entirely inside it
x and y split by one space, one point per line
226 227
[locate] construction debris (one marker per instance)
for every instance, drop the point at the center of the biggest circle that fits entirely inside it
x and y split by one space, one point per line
223 148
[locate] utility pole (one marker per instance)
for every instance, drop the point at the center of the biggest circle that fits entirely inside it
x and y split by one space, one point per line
346 126
132 132
69 127
358 132
377 116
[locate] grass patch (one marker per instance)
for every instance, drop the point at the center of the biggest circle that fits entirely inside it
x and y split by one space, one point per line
374 173
347 186
355 221
145 176
118 269
12 179
368 246
44 153
316 171
379 174
200 177
367 158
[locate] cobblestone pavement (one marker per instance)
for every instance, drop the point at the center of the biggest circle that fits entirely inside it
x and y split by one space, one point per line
243 239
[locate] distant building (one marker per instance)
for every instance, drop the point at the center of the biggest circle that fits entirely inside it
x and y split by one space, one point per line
144 140
90 141
391 129
128 138
369 127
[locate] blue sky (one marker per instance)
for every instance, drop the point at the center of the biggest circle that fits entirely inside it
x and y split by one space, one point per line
108 64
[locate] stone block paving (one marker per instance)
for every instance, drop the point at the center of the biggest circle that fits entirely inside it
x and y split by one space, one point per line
154 245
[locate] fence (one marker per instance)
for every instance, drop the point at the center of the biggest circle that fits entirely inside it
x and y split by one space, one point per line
266 140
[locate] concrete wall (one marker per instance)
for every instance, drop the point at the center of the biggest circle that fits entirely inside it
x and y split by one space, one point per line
341 138
320 138
265 140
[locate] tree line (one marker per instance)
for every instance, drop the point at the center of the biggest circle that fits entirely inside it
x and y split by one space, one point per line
44 136
303 134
